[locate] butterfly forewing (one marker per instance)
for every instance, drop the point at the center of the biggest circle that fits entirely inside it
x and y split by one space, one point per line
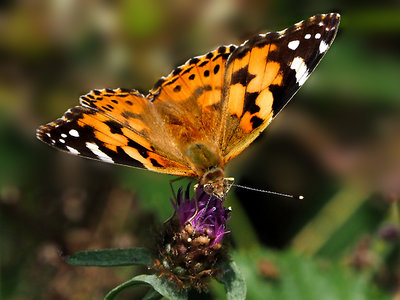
264 73
195 91
93 134
137 118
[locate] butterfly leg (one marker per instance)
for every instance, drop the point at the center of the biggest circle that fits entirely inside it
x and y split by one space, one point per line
172 187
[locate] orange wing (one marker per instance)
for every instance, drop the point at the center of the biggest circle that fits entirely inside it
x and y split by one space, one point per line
116 126
190 98
204 113
264 73
154 132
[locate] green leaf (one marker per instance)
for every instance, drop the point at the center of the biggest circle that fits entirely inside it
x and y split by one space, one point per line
111 257
152 294
161 285
234 282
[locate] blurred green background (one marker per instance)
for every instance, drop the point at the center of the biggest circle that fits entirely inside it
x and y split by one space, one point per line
337 143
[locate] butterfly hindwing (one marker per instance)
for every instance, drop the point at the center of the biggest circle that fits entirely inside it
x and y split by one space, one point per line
264 73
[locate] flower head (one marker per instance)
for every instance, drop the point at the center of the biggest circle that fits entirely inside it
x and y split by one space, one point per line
204 213
190 247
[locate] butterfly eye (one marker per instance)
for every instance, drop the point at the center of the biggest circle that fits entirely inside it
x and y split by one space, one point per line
228 183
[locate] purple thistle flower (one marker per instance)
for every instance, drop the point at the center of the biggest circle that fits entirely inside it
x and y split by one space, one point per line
208 217
190 247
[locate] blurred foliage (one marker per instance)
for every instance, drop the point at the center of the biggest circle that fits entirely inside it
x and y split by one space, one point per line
287 275
337 143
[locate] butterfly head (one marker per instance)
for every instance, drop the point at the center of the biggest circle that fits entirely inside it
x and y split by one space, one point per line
214 183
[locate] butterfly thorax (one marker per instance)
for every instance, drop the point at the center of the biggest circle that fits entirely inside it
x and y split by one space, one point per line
203 158
207 162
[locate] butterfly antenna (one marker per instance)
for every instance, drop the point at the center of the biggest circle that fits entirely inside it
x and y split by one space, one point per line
197 207
268 192
204 209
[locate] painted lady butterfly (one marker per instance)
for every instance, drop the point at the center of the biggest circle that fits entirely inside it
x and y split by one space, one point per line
204 113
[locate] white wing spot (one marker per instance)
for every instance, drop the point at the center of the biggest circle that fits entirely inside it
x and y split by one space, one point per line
282 32
100 154
72 150
48 134
74 133
318 36
307 36
63 135
321 23
301 69
293 44
323 47
61 141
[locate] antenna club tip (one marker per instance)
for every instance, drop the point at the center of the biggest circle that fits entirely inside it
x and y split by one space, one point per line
301 197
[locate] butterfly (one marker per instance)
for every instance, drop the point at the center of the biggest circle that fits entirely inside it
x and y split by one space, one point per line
204 113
